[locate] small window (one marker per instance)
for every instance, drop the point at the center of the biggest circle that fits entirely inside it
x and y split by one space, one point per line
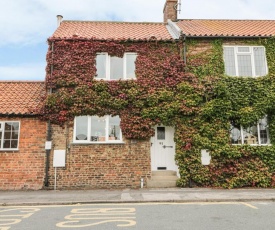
115 68
94 129
254 135
9 135
161 133
245 61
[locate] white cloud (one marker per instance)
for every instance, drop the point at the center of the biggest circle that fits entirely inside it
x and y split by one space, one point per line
29 71
233 9
33 21
25 23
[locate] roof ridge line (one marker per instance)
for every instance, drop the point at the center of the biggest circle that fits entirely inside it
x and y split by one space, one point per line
21 81
83 21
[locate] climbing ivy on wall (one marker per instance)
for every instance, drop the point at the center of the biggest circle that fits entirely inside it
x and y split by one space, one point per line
241 100
197 99
140 103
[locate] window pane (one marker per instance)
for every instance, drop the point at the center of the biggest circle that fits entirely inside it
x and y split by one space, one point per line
235 135
14 144
7 134
264 136
7 144
260 61
244 65
229 61
243 49
8 126
98 126
160 133
101 66
130 65
116 68
14 135
114 128
81 132
1 140
250 135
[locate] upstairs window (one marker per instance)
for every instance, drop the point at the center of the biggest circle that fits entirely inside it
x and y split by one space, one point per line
255 135
94 129
245 61
9 135
115 68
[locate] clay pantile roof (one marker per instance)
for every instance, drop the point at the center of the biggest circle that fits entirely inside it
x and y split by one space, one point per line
227 28
112 30
20 97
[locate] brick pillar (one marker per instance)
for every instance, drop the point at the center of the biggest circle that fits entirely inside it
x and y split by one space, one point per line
170 10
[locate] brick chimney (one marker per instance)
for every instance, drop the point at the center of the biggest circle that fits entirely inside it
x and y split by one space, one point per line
170 10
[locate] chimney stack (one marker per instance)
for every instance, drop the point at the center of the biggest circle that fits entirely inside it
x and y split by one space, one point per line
59 20
170 10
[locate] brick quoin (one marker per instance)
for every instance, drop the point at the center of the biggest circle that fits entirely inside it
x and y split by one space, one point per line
25 168
96 166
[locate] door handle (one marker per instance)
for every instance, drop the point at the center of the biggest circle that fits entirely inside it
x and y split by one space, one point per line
165 146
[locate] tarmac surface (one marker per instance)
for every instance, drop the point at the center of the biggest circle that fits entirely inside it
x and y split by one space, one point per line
55 197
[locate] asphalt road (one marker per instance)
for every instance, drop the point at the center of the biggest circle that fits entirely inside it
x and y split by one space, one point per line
143 216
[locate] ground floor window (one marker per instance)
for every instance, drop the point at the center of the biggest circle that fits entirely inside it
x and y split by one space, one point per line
9 135
90 129
254 135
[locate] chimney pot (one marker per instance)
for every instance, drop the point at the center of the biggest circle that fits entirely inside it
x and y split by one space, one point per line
170 10
59 20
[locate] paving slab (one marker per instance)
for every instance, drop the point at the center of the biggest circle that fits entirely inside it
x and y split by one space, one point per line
45 197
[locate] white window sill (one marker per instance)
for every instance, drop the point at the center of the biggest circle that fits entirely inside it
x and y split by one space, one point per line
253 144
121 79
8 150
98 142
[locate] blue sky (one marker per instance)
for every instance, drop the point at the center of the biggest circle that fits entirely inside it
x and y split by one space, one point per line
25 25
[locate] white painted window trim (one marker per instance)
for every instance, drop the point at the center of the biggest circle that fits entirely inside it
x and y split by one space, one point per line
108 65
89 134
251 53
2 137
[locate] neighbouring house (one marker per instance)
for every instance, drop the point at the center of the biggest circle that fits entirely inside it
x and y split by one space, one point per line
234 60
131 104
22 135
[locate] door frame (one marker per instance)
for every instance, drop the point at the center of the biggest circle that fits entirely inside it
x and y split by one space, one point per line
168 153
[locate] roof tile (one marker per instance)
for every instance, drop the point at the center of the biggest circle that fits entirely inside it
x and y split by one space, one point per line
112 30
227 28
20 97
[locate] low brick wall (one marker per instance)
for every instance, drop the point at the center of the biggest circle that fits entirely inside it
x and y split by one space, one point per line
25 168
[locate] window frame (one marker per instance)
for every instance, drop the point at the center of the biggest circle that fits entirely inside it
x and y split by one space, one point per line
107 141
2 129
252 59
108 67
258 135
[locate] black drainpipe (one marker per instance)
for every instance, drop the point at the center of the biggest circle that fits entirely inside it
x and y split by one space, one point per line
184 59
49 137
184 49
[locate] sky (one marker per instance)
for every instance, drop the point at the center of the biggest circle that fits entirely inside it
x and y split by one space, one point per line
25 25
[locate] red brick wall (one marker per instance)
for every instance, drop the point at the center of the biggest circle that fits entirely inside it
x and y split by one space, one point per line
100 165
24 169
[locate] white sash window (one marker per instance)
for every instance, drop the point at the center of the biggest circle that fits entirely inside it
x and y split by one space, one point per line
115 68
245 61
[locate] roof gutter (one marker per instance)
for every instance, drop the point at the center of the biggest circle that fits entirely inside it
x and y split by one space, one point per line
205 36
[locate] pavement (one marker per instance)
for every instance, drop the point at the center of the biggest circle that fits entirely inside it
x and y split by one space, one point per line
58 197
